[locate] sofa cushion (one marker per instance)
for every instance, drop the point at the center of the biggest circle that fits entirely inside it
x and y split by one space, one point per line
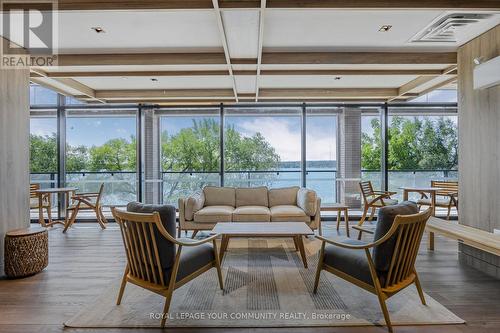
288 213
219 196
167 215
252 196
193 204
192 259
214 214
283 196
382 254
307 200
251 214
350 261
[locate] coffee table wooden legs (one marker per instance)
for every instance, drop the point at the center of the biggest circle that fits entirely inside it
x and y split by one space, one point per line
298 240
300 243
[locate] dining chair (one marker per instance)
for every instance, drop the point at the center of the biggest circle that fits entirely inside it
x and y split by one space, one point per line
374 200
387 264
156 260
86 201
447 197
35 201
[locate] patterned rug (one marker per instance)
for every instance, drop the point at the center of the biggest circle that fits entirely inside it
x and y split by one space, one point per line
266 285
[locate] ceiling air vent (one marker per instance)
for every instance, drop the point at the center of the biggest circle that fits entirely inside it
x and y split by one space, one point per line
446 28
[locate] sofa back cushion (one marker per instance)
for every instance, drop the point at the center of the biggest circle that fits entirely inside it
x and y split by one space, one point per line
167 215
382 254
219 196
307 200
252 196
283 196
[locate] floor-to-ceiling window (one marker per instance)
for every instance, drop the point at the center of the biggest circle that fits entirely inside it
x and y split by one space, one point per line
262 147
321 152
190 151
371 149
101 148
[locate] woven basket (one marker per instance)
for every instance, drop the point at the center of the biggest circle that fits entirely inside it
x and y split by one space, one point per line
26 252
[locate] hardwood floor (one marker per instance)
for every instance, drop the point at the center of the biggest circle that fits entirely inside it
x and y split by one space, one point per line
86 259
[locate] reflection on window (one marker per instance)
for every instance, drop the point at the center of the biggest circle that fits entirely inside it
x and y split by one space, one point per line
321 154
190 154
102 150
262 148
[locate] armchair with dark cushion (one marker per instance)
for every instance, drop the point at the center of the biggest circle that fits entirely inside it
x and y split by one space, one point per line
387 264
156 260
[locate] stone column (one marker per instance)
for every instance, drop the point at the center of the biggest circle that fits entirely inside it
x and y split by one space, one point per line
151 153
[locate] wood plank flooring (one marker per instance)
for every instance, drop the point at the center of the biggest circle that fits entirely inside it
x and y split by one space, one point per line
86 259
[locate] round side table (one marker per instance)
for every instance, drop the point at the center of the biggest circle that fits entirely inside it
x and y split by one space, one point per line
26 251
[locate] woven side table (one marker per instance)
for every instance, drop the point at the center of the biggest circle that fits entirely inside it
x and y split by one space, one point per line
26 251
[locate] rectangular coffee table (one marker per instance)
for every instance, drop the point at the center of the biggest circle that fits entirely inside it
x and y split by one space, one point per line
295 230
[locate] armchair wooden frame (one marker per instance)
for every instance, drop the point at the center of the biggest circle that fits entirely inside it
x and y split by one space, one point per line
408 230
143 259
43 202
371 199
449 189
83 201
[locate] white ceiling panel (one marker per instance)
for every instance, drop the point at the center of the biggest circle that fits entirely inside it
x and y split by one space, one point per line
140 31
171 82
242 32
327 81
340 29
245 83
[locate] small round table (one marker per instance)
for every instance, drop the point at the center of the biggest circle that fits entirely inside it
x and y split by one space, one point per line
339 208
26 251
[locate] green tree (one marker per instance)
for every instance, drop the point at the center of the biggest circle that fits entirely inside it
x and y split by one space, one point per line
114 155
415 143
77 158
43 153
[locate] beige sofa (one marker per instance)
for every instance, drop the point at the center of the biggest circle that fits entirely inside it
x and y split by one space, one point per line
203 210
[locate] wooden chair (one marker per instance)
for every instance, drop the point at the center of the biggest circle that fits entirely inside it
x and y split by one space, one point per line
35 201
156 260
372 199
386 270
447 197
86 201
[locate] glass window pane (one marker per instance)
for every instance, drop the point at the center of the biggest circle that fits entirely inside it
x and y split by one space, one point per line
42 96
438 96
190 153
101 148
371 150
262 147
422 148
321 153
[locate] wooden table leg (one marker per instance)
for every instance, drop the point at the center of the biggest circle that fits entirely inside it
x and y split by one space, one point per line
40 210
296 243
302 250
223 246
405 195
338 220
433 202
346 218
430 245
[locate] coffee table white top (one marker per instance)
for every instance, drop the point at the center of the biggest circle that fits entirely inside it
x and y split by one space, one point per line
262 228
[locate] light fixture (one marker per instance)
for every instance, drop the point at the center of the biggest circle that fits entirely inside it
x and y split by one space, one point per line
336 78
154 80
385 28
99 30
478 60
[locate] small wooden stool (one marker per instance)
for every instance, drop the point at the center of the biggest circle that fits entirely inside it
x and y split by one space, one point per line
26 251
339 208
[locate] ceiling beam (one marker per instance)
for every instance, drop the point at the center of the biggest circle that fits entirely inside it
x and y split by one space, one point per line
436 86
260 44
268 58
225 46
207 4
169 93
35 72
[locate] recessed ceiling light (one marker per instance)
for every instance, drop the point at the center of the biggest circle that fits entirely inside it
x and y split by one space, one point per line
336 78
99 30
385 28
154 80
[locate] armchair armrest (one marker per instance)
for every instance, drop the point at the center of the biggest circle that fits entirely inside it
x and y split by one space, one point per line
379 197
363 229
389 193
190 242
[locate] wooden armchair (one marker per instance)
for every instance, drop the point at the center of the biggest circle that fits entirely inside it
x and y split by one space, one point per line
156 260
46 202
372 199
86 201
447 197
385 266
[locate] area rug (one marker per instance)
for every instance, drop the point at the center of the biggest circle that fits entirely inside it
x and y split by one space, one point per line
266 285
